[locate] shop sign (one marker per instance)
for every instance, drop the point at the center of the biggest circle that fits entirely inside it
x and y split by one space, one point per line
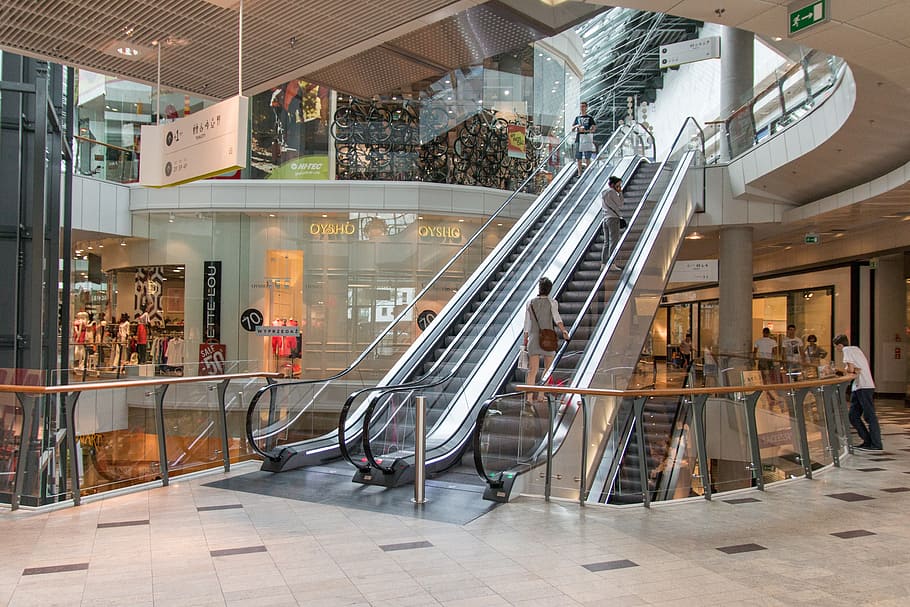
211 358
272 283
694 270
328 229
211 301
251 319
304 167
439 232
279 331
516 137
689 51
197 146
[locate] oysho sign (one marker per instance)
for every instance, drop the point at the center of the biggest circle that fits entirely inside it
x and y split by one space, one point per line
439 232
211 301
325 229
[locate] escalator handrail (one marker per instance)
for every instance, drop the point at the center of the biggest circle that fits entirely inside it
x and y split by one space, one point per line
622 136
622 239
494 482
371 408
430 284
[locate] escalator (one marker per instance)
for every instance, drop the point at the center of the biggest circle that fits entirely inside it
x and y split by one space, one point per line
476 356
615 319
287 422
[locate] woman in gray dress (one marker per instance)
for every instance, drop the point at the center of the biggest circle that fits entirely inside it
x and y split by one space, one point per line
546 311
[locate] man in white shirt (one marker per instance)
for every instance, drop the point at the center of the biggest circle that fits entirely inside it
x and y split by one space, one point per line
792 347
861 404
763 350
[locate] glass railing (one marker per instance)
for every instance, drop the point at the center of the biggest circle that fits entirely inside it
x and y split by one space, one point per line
721 438
767 111
105 161
67 441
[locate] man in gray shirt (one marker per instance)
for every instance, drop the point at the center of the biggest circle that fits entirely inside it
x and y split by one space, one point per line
611 202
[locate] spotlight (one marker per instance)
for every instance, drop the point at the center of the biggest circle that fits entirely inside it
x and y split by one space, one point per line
170 218
122 243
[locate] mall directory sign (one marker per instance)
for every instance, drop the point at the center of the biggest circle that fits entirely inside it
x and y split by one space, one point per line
197 146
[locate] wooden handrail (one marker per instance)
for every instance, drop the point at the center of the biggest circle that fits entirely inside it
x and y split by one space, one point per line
814 383
105 385
107 145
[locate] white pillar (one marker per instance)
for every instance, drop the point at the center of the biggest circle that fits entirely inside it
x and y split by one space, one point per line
735 282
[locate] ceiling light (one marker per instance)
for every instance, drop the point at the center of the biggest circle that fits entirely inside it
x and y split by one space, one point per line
271 214
181 267
100 245
122 243
90 247
777 38
461 221
505 92
128 51
170 218
325 214
694 236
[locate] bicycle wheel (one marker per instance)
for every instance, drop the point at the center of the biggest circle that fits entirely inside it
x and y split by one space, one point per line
380 126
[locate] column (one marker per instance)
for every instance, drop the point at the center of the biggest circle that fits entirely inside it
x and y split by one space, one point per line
735 281
737 66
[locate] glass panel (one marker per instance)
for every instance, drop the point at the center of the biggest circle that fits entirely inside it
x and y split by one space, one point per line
794 87
117 439
10 433
765 109
777 436
820 448
192 428
512 434
822 71
727 444
675 475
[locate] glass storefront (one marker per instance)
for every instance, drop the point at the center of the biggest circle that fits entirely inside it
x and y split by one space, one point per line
338 279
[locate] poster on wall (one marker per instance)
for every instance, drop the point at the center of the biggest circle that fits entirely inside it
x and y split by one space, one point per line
290 132
517 141
197 146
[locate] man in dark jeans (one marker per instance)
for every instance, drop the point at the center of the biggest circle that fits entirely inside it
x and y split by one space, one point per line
861 405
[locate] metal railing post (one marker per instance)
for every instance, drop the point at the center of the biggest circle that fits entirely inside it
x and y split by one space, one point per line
222 421
751 400
73 445
551 420
798 399
420 450
638 408
583 480
160 391
698 421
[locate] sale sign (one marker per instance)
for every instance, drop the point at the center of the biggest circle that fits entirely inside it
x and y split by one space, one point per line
211 358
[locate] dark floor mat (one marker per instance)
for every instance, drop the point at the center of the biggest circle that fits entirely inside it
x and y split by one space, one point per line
458 504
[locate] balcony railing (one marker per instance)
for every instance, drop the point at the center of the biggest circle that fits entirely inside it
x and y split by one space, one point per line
64 442
105 161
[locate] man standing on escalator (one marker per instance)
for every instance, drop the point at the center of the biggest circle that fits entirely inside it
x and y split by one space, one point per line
611 202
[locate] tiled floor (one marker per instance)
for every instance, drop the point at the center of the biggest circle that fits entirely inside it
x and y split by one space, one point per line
189 544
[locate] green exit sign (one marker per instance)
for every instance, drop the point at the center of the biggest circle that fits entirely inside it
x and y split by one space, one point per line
803 15
811 238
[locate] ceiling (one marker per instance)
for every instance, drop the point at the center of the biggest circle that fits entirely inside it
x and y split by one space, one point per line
360 46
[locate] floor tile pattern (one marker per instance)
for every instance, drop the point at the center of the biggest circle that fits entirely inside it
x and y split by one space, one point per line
281 550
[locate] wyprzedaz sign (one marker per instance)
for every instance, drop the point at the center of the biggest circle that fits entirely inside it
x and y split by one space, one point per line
805 14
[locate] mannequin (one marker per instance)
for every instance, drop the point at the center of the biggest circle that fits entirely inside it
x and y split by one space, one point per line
123 340
80 334
142 337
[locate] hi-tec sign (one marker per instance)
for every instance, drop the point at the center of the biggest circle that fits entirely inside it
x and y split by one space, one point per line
689 51
804 14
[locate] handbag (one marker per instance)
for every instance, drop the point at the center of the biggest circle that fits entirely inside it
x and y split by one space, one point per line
623 224
523 361
586 142
546 338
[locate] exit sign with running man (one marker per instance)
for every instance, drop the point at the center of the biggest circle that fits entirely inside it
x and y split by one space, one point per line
804 15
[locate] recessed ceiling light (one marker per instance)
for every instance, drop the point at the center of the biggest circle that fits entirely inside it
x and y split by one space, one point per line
271 214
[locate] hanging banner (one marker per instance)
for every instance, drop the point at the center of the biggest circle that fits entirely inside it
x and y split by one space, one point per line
201 145
211 301
517 142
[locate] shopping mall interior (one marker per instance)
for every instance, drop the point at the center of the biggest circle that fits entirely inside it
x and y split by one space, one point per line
271 330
